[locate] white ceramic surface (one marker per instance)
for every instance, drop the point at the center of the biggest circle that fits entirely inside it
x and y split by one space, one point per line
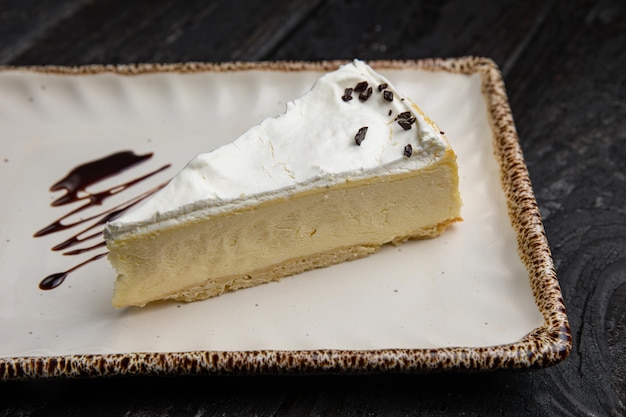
466 288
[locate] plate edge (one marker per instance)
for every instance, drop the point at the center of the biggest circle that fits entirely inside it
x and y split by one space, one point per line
544 346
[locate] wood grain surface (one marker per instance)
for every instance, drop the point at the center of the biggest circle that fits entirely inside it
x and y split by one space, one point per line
564 64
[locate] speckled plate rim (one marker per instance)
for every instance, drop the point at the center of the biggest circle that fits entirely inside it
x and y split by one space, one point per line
544 346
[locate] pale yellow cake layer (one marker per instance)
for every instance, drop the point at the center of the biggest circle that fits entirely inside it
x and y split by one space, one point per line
279 238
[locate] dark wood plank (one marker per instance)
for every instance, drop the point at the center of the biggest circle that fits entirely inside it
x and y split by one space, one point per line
23 24
419 29
569 96
115 31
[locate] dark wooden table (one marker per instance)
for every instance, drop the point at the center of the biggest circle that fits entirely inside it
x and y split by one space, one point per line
564 64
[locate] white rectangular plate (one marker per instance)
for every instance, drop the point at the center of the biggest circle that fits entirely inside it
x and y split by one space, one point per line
463 300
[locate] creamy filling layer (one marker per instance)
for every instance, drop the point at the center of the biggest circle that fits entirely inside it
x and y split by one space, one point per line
374 212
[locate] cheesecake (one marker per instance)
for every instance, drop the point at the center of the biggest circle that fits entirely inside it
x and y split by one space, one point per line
350 166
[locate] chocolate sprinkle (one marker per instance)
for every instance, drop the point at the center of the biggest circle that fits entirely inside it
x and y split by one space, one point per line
364 96
347 94
405 119
406 123
382 87
360 87
408 150
360 136
388 95
389 114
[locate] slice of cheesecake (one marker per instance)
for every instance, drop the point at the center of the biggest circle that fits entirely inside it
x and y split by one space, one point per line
350 166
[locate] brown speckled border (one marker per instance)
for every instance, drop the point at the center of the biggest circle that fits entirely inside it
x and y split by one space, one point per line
544 346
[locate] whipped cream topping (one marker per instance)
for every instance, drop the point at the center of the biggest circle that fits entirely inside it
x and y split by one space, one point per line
312 144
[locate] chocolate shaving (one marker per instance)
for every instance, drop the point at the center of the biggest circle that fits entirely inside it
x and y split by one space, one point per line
364 96
360 87
406 124
347 94
405 120
408 150
388 95
360 136
382 86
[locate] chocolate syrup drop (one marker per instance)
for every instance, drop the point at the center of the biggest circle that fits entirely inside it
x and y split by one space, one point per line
77 181
54 280
104 217
94 199
81 177
87 249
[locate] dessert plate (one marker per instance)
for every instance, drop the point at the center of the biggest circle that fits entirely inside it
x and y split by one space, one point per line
482 296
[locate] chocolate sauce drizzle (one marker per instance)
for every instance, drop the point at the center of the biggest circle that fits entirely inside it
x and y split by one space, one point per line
75 184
